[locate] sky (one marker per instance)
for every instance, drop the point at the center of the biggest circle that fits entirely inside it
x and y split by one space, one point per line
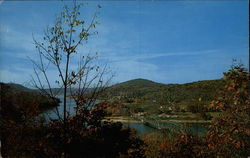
164 41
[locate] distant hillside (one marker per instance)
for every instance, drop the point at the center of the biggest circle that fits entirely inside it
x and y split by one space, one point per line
144 87
136 88
137 83
18 102
148 96
19 87
57 91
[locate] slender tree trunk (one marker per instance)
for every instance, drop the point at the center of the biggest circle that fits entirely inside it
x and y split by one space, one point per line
65 91
64 100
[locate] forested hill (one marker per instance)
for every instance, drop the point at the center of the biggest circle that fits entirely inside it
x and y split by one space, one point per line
142 87
138 87
19 103
17 87
182 96
138 83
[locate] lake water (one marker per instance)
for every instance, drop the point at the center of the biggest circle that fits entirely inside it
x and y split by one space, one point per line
140 127
195 128
70 108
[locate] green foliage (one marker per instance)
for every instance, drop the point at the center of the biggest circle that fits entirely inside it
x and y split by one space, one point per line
151 96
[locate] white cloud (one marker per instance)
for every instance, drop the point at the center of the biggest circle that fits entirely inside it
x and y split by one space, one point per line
17 39
114 57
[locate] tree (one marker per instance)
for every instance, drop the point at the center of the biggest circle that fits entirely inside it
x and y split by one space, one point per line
83 134
229 134
60 43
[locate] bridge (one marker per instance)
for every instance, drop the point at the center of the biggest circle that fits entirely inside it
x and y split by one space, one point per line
156 123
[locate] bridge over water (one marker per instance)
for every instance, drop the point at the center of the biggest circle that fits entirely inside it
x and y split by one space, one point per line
156 123
171 127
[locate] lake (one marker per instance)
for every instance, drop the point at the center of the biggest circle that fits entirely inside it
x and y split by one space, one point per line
194 128
70 108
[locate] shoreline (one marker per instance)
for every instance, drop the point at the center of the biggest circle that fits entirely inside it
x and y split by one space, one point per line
126 119
122 119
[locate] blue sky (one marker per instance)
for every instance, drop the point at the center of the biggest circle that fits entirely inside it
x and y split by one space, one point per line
163 41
